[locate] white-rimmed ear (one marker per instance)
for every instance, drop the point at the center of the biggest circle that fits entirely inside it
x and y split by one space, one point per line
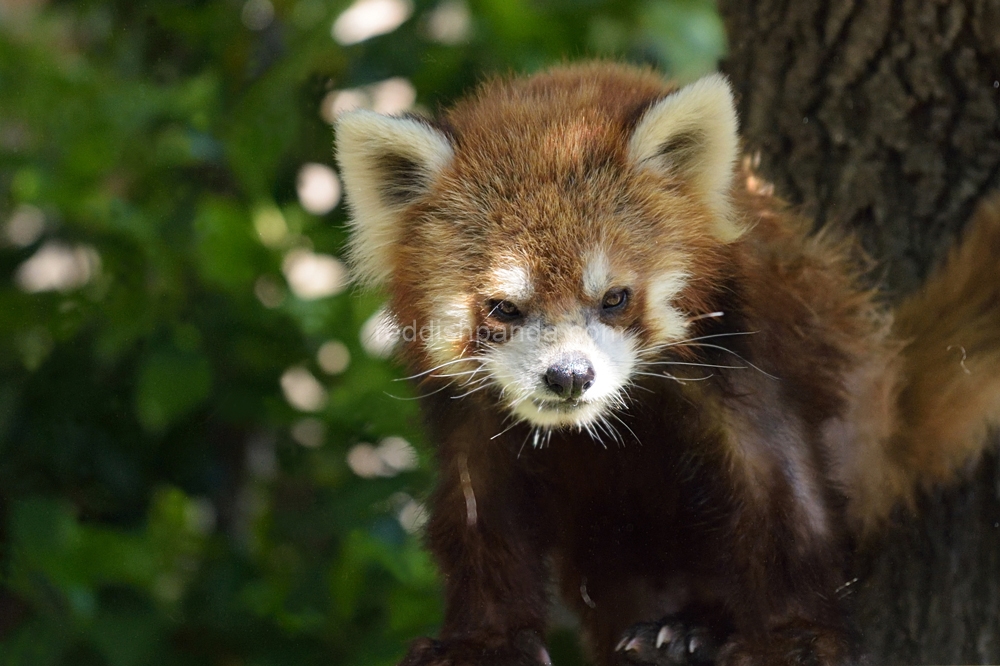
386 164
693 133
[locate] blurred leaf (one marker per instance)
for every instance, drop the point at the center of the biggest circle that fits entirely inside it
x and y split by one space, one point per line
170 384
35 643
226 248
127 636
259 131
687 34
45 538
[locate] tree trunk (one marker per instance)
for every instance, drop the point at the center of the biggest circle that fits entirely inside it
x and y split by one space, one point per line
885 115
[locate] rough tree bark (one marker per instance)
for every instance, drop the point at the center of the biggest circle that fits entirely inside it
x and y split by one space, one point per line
885 115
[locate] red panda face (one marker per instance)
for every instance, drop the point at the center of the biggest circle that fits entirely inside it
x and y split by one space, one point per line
539 250
560 363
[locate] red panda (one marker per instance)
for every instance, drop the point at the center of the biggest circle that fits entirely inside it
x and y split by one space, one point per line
647 378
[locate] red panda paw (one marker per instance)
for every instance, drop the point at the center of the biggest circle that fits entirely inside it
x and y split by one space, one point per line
798 645
430 652
670 642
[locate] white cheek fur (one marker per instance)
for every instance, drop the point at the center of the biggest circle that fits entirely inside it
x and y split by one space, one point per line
667 322
449 331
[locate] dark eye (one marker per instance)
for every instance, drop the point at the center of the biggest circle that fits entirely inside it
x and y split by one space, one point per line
503 310
615 299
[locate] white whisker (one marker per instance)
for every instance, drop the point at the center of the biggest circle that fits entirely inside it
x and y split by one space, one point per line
609 428
675 343
417 397
709 315
701 344
482 385
619 419
505 430
697 365
457 374
679 380
436 368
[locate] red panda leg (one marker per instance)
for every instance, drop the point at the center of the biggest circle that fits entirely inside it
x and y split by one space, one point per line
778 558
492 564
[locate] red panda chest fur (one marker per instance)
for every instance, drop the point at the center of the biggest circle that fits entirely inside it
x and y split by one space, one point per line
645 377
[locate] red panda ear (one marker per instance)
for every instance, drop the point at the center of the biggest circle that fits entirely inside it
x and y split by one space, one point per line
693 133
386 164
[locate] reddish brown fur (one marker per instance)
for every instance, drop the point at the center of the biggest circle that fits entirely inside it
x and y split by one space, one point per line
950 375
740 496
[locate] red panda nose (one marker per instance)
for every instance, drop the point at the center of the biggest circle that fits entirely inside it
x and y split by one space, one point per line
570 376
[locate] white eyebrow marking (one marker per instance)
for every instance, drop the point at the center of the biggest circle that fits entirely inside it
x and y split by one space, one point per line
513 282
596 274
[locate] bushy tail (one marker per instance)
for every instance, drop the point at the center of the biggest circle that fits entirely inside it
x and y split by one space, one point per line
949 389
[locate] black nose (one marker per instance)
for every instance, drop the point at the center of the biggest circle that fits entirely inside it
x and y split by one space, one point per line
570 376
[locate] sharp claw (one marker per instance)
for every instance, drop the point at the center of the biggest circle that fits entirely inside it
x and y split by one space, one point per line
543 656
629 644
665 636
694 644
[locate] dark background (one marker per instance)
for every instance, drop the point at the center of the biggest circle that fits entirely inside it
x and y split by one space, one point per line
884 116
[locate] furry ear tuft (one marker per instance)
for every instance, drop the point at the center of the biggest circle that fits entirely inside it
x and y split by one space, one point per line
693 133
386 164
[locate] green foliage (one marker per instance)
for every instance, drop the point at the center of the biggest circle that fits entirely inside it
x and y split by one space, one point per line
176 409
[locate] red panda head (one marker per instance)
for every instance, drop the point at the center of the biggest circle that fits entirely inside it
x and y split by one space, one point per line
548 235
